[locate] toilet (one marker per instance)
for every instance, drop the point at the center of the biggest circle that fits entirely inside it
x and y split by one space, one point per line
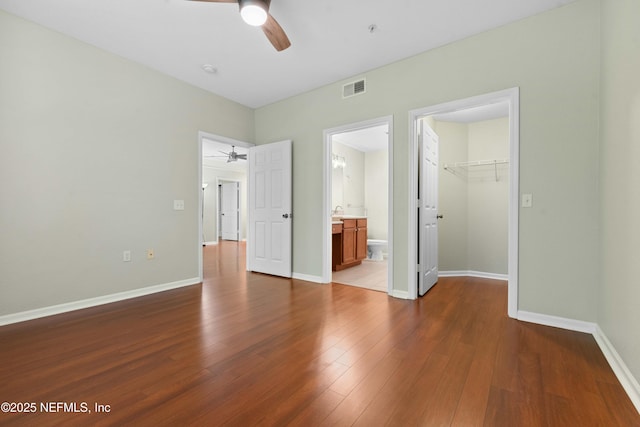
375 249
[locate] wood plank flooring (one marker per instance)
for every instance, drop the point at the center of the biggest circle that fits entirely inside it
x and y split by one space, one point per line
248 349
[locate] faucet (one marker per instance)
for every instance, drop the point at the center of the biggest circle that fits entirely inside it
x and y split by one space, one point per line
335 211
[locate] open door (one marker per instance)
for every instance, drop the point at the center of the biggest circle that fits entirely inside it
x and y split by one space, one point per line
428 208
230 211
270 209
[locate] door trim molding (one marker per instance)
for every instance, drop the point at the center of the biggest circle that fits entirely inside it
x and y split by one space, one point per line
512 97
326 202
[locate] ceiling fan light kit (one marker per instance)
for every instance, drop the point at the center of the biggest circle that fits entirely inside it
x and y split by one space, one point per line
254 12
231 156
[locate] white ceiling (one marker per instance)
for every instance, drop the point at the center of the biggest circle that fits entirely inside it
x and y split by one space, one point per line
330 38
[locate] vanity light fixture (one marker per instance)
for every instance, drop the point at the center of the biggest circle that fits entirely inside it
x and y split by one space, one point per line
338 161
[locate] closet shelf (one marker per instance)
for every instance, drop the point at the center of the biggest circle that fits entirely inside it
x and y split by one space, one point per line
454 167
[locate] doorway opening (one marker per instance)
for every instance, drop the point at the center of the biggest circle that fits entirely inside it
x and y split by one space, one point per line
215 166
468 172
358 205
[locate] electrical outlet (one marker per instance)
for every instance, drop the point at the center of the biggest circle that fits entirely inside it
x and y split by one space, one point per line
527 200
150 254
126 256
178 205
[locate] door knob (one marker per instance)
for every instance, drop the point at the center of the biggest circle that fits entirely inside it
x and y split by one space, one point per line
439 216
285 216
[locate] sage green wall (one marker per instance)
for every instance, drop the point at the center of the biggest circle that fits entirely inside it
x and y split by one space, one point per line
488 198
554 59
376 194
473 234
94 149
618 313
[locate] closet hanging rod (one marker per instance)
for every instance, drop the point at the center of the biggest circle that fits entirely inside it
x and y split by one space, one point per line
477 163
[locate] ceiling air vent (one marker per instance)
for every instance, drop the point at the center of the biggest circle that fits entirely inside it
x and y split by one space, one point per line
353 88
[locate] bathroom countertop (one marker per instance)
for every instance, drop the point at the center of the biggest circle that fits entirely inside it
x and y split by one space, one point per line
340 217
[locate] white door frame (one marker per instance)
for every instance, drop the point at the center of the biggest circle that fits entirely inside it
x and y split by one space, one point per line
225 140
218 225
512 97
326 202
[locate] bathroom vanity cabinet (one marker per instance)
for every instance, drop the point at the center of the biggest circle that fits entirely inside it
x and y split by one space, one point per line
349 243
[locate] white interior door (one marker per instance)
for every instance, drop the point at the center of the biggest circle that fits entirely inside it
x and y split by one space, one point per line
270 209
428 214
230 211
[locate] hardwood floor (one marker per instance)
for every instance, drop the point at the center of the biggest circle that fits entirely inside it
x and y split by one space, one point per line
248 349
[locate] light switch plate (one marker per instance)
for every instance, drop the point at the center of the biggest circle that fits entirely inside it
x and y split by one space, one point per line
178 205
527 200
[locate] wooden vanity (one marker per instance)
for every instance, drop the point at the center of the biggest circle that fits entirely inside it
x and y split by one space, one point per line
349 242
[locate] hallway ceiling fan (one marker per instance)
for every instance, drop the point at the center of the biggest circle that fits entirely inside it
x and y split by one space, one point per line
256 13
232 156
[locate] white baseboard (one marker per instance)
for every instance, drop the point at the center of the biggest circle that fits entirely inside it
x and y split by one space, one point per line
626 378
557 322
213 242
399 294
307 277
472 273
92 302
620 369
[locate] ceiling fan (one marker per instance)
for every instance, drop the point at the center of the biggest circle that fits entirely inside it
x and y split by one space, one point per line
232 156
256 13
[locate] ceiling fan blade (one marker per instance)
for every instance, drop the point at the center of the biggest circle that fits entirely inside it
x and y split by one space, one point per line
275 34
241 156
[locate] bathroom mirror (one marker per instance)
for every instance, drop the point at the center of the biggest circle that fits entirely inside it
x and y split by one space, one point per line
337 188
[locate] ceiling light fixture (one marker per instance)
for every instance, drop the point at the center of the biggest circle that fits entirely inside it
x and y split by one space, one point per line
254 12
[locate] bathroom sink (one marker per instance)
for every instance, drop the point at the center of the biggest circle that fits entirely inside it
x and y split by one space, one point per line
339 217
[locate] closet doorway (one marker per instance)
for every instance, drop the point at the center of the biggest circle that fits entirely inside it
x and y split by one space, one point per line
478 201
